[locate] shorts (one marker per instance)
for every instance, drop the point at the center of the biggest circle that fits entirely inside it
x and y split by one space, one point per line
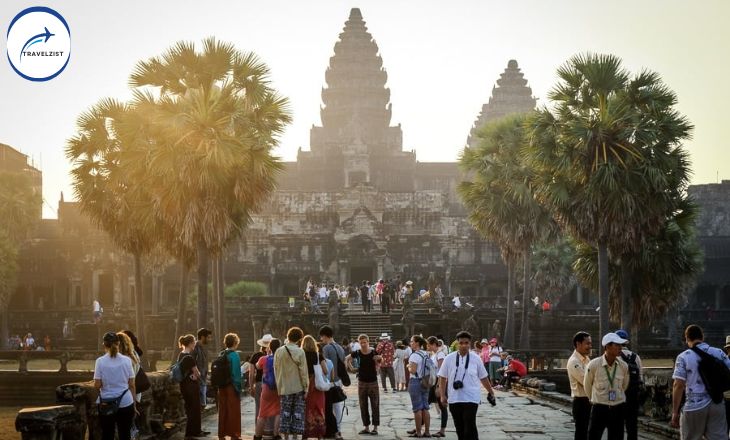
419 396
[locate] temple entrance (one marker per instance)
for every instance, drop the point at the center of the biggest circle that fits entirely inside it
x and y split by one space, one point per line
358 274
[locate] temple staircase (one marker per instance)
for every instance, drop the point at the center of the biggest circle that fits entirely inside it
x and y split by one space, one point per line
372 324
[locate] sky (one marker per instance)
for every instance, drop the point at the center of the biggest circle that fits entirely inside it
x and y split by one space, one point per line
442 60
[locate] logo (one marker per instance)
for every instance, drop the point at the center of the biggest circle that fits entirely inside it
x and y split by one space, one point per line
39 43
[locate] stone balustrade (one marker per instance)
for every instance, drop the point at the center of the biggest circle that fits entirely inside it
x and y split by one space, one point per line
161 412
63 357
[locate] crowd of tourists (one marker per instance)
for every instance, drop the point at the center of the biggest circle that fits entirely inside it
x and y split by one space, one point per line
605 390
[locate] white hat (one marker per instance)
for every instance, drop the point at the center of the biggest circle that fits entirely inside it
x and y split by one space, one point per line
485 341
727 342
265 340
409 283
612 338
385 336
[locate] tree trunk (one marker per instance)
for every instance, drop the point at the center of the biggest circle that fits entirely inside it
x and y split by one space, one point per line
214 295
626 288
182 302
202 285
155 294
222 295
4 327
139 298
526 297
602 289
509 323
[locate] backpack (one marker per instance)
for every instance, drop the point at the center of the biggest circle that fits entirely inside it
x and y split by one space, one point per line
428 377
220 370
176 372
634 372
714 374
269 379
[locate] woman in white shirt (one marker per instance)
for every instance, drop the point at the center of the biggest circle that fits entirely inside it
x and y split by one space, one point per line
114 378
438 356
419 395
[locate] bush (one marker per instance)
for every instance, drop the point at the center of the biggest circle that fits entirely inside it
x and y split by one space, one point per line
246 288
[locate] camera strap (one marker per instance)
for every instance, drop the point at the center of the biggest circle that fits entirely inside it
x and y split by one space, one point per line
466 366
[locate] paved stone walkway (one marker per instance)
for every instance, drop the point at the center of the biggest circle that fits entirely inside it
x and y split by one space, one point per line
515 417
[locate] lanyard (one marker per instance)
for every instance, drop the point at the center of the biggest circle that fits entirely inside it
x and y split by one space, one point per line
611 377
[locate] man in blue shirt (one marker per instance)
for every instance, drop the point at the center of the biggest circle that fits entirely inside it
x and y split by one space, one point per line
700 416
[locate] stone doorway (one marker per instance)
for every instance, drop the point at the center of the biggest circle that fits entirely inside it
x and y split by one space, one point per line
360 273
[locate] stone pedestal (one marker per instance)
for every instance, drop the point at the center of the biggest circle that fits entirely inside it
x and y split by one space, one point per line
50 423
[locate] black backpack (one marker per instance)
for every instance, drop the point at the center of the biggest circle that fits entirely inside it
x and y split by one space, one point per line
714 374
634 372
220 370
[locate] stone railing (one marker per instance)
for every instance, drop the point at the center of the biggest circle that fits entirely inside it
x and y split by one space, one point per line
161 412
151 358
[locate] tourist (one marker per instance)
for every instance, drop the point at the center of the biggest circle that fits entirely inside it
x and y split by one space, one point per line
292 383
189 387
367 383
456 301
576 367
114 378
437 357
365 296
314 424
229 396
546 305
15 342
322 293
514 370
135 342
631 415
375 291
270 406
96 311
462 383
386 350
495 358
336 354
703 414
126 347
47 343
605 383
201 361
419 394
256 373
409 352
29 342
354 346
386 297
400 363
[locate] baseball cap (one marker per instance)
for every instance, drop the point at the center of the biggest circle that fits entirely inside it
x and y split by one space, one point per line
612 338
623 334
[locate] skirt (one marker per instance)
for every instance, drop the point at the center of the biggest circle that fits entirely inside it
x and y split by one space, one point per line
314 424
269 405
229 412
400 372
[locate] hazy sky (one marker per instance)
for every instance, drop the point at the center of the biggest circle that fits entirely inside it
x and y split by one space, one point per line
442 60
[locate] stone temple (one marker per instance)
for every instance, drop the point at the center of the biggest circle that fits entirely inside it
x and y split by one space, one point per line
357 206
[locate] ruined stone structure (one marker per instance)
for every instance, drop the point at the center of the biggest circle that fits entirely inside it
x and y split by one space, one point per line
356 206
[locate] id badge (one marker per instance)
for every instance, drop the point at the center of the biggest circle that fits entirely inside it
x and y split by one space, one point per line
611 396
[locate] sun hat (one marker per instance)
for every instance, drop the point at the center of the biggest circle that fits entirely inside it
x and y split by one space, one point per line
612 338
385 336
265 340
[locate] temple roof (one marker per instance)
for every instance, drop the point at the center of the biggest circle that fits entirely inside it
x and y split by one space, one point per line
510 95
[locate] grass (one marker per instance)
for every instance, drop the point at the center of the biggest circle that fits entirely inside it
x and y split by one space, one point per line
7 423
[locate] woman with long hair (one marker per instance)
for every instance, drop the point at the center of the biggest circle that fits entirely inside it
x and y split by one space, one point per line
114 378
419 395
126 347
314 423
495 360
269 406
190 386
400 363
437 357
229 397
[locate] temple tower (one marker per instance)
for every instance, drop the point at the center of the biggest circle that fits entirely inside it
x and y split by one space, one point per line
356 143
510 95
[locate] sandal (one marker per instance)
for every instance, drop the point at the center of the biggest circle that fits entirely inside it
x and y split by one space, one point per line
412 431
414 435
374 432
438 434
364 431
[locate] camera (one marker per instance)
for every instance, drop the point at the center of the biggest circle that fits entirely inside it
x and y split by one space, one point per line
491 399
458 385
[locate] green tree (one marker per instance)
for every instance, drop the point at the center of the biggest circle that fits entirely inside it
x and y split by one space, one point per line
498 193
595 154
119 206
246 288
552 263
211 165
20 210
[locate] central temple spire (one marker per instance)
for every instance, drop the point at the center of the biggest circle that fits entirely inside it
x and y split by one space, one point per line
356 102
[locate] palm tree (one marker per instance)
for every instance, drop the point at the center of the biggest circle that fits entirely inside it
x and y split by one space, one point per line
594 153
217 120
500 200
552 261
119 206
20 210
